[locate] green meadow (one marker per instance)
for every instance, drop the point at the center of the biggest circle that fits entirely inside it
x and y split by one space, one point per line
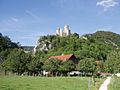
114 84
46 83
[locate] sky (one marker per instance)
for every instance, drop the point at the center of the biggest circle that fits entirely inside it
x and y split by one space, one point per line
25 21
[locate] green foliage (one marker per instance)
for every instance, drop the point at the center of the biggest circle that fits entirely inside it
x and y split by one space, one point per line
87 65
102 46
88 49
54 66
17 61
106 36
97 45
112 63
51 65
67 66
3 55
35 66
6 43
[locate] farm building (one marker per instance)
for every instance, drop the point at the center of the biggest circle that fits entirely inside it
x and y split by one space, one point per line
66 58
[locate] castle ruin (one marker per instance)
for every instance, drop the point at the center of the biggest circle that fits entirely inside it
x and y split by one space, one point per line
65 32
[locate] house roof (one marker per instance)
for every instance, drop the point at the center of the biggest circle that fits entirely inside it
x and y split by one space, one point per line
62 57
98 62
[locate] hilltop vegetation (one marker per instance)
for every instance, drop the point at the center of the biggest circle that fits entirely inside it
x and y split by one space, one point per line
96 45
100 46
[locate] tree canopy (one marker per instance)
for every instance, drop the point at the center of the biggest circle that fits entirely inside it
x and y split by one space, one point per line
100 46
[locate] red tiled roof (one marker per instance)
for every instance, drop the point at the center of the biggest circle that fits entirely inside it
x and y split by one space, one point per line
62 57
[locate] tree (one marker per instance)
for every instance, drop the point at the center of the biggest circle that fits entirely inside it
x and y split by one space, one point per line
6 43
52 65
75 35
66 66
3 55
87 65
35 66
112 64
16 61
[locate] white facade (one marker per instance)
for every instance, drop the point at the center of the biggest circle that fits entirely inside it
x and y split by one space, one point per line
65 32
61 32
58 31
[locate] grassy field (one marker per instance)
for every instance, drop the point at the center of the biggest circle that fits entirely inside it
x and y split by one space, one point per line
114 84
45 83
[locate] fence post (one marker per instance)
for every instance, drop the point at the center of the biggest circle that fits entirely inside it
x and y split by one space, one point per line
89 83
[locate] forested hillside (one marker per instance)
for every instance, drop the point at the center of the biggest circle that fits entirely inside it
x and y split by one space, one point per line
96 45
97 52
107 37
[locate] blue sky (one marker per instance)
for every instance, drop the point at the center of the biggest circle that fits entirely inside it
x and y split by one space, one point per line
25 21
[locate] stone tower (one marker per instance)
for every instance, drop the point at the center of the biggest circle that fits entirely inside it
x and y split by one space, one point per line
67 30
59 32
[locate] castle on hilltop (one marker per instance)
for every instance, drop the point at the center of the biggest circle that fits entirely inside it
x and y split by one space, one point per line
64 32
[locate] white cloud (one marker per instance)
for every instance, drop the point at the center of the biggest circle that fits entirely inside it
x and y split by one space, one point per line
9 22
106 4
32 14
14 19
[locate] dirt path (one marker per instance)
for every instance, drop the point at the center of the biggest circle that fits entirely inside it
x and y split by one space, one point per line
105 84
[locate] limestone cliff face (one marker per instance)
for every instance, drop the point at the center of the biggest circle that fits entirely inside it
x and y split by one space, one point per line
43 46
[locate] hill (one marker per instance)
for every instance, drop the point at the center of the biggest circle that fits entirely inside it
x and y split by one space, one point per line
96 45
107 37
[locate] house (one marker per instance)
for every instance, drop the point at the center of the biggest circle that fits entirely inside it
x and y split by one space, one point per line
66 58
